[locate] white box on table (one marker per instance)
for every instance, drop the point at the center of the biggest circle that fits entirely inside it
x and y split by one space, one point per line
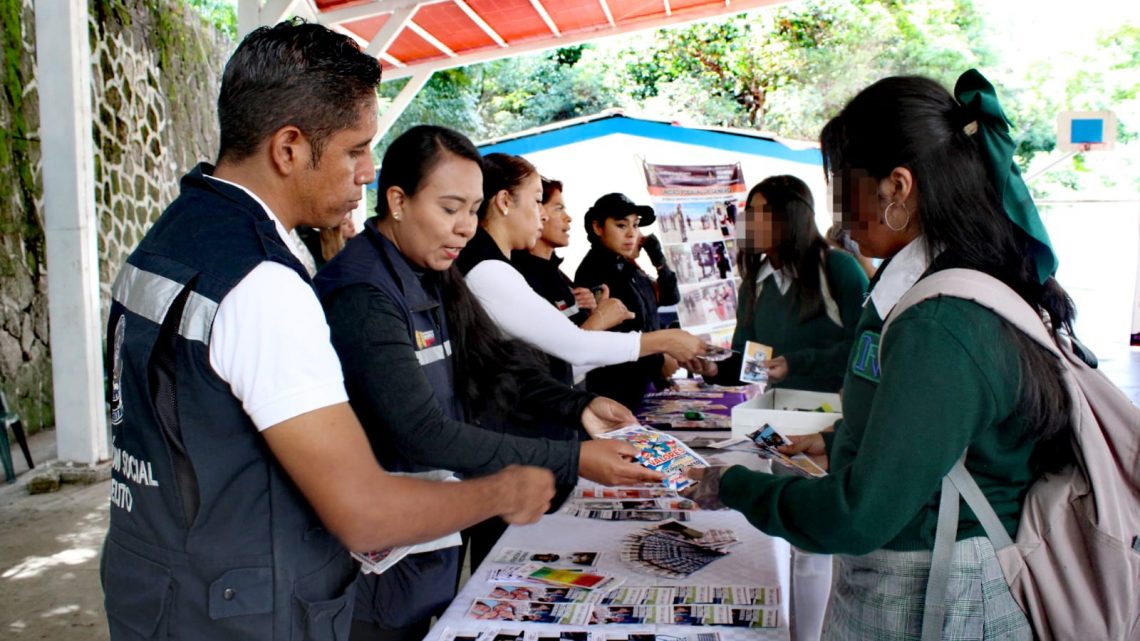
782 409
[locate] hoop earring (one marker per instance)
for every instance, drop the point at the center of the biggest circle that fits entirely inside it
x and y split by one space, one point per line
887 216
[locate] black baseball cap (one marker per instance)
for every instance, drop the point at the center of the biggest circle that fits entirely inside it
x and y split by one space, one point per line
617 205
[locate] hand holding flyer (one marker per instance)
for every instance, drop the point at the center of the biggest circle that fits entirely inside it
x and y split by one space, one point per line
661 452
752 367
769 440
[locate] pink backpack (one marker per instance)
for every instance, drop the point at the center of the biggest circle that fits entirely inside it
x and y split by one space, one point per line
1075 565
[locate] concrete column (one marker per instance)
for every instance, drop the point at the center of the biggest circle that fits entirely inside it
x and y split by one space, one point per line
63 73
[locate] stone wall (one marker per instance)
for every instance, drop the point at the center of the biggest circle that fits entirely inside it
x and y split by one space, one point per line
155 72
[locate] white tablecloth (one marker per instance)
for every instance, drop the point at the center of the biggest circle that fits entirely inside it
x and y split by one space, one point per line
759 560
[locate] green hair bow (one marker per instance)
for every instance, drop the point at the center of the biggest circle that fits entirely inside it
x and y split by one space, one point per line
979 101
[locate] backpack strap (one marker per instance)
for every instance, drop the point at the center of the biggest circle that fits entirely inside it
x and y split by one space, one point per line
958 483
984 290
996 296
934 604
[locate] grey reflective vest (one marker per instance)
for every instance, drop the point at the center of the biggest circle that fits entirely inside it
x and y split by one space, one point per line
209 539
371 259
421 585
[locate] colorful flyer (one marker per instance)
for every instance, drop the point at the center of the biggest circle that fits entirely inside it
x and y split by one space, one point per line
752 367
661 452
569 578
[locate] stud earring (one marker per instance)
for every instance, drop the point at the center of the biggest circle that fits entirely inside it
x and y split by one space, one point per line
396 214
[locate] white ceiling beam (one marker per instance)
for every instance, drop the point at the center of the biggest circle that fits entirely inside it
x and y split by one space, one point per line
249 16
610 14
274 11
371 10
392 28
307 9
350 33
423 33
400 103
392 60
482 24
546 18
590 35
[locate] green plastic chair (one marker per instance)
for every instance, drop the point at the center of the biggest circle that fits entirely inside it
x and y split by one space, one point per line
9 418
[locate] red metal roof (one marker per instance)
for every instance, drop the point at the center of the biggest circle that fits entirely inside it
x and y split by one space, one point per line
435 34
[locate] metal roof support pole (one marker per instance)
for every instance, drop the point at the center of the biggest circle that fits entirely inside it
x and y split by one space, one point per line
63 73
400 103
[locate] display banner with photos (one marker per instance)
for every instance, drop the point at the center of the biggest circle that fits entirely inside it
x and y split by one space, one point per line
697 208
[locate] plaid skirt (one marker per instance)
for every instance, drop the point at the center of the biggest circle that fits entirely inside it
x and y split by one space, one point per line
879 596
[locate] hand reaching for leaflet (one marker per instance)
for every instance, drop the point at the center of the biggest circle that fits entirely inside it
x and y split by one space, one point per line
604 415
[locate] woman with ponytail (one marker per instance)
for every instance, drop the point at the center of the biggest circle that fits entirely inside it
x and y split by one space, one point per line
925 180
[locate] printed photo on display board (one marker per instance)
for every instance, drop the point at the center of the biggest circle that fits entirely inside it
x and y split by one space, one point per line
696 208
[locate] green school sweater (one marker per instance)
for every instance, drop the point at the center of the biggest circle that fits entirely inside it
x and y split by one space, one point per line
948 380
816 349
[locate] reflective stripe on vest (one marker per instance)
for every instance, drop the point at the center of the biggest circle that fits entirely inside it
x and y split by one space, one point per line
149 295
434 353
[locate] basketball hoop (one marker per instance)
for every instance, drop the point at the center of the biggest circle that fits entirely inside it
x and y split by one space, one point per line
1085 131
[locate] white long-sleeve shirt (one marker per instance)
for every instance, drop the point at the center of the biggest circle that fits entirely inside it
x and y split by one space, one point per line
524 315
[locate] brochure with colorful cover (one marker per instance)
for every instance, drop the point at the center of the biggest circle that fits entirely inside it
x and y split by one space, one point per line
569 578
661 452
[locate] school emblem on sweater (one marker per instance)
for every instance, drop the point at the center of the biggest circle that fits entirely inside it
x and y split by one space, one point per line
425 339
865 357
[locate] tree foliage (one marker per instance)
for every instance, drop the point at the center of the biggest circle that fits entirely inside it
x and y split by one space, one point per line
785 70
220 13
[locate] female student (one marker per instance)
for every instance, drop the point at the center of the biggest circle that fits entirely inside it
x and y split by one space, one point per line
928 183
797 295
421 359
511 218
612 226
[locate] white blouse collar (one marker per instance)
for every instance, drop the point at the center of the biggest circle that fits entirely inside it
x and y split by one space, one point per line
900 274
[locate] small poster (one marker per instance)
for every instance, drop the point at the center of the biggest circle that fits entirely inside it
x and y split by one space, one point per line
696 208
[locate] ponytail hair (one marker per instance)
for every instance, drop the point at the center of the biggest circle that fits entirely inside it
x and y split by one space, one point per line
913 122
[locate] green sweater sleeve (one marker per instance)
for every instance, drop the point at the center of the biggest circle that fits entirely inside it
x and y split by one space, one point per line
848 283
934 396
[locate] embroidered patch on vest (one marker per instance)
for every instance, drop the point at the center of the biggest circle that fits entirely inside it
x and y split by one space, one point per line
865 357
425 339
117 372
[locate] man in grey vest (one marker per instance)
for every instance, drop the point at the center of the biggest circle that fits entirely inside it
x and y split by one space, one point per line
240 474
